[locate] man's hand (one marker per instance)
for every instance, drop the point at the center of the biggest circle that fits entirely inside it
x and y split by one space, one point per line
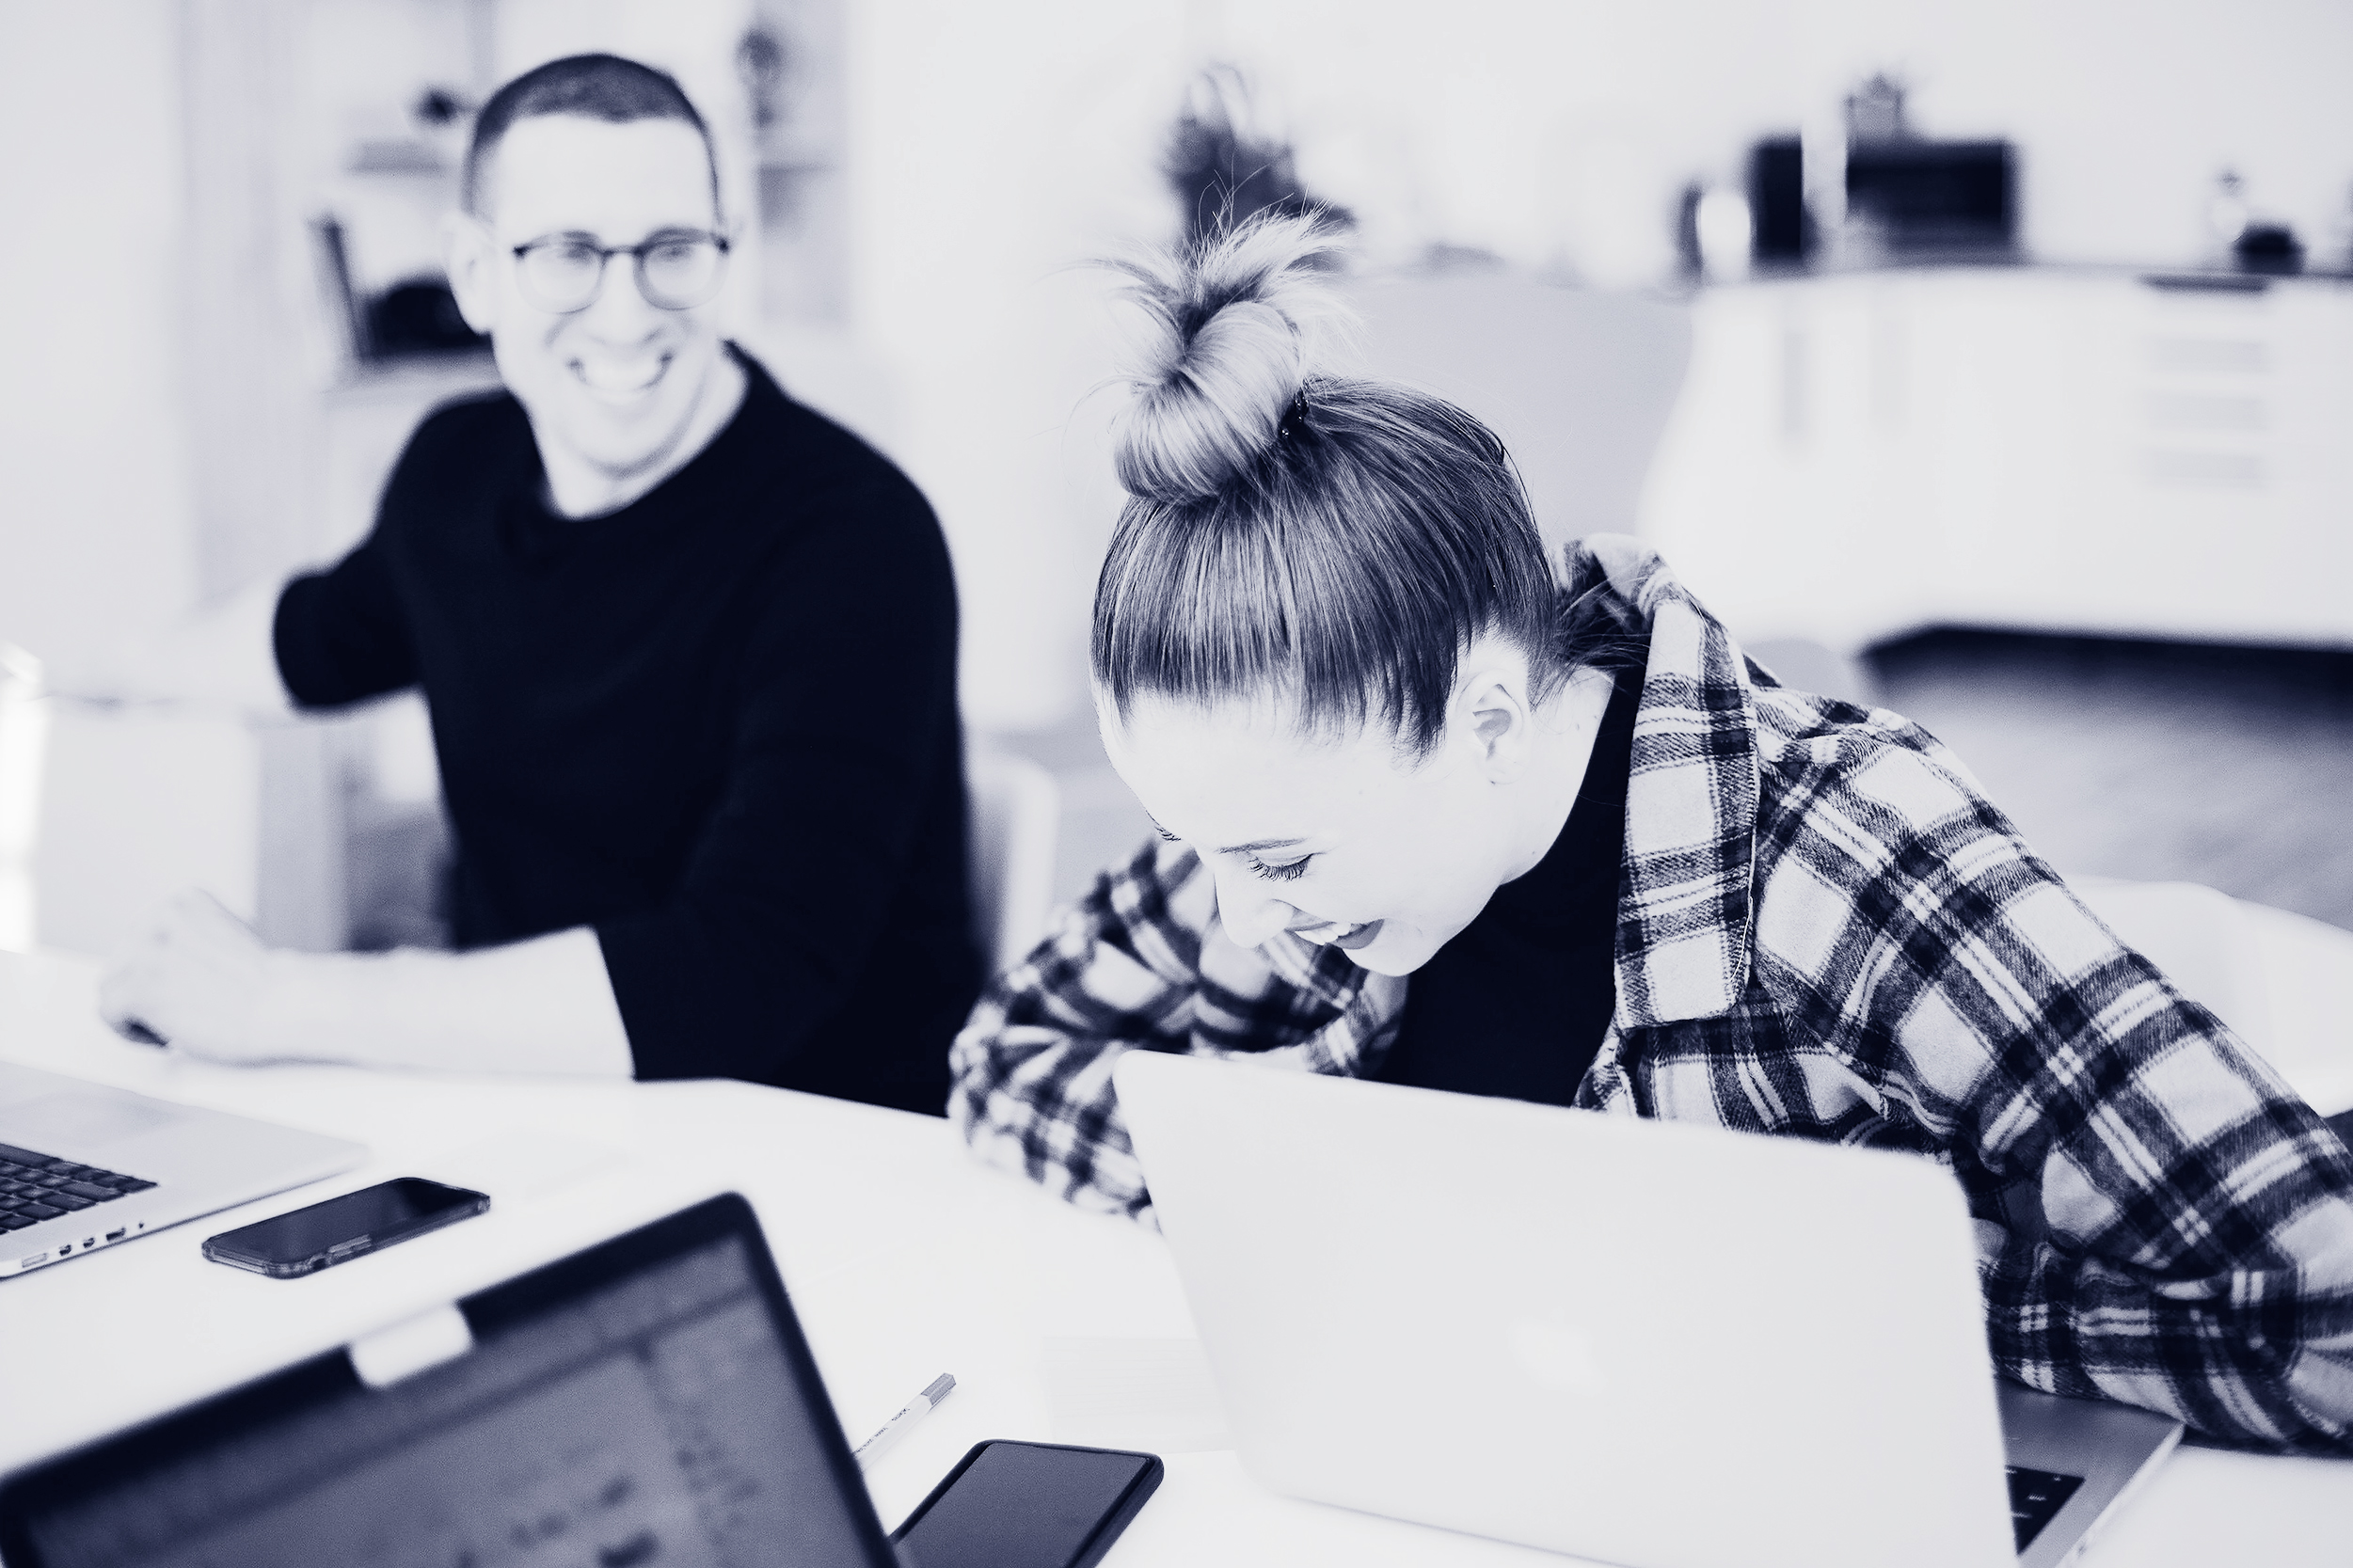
202 983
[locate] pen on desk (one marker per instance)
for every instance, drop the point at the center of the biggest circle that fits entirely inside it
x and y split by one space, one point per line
898 1426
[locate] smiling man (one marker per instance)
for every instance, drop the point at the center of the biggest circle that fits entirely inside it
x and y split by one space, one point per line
690 649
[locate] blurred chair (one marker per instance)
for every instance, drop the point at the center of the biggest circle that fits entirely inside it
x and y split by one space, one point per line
2278 979
23 744
1016 815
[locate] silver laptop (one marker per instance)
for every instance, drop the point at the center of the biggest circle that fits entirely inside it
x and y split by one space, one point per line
84 1165
1637 1342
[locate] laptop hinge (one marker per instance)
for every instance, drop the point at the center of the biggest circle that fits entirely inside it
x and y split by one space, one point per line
407 1348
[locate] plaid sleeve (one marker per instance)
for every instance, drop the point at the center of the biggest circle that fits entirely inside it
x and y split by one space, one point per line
1141 963
2162 1220
1031 1072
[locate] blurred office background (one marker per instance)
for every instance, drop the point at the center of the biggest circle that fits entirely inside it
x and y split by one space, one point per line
1991 361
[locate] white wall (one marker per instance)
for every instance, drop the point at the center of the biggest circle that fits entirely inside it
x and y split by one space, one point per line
1558 130
95 531
992 147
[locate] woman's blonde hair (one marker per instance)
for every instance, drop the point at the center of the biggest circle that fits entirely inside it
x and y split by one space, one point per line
1340 539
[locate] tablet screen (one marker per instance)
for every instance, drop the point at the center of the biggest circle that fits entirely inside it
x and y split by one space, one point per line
651 1421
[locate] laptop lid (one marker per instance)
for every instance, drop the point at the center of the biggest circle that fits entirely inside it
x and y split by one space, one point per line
648 1400
1640 1342
84 1165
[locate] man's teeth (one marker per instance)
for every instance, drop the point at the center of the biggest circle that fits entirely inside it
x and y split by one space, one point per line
618 376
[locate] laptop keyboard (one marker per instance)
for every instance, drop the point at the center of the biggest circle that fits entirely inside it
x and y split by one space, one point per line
2035 1498
36 1187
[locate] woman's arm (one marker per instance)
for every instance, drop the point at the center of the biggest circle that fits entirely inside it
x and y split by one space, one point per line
1030 1074
1141 962
2162 1220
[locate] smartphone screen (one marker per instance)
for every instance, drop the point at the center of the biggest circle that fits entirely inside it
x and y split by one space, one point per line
342 1227
1028 1505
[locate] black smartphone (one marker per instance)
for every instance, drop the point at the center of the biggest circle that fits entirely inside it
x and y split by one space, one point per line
344 1228
1028 1505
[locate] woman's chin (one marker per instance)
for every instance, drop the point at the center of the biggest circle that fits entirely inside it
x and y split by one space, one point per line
1393 952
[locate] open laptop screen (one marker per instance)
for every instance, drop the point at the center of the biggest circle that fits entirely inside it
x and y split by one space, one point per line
647 1401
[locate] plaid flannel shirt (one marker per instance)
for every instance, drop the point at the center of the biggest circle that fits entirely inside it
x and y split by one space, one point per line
1824 930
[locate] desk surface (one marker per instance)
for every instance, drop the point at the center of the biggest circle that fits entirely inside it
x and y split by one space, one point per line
903 1259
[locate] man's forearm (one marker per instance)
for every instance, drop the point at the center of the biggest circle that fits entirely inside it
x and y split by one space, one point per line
221 657
542 1006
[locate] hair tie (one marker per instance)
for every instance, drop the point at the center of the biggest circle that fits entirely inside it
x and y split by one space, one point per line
1294 417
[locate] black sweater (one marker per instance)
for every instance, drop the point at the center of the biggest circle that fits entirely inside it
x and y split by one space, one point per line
719 725
1517 1003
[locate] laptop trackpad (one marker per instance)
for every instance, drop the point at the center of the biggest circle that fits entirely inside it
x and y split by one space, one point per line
72 1119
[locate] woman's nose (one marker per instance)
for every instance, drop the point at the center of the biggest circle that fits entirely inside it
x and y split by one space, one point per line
1249 912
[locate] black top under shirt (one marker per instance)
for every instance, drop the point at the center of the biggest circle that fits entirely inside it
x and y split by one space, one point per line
718 725
1517 1003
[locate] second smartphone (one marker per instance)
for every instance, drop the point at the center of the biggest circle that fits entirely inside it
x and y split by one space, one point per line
1028 1505
340 1229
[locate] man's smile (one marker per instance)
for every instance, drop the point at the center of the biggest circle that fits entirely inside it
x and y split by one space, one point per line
618 378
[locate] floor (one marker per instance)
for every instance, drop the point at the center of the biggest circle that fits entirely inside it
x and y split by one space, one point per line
2155 761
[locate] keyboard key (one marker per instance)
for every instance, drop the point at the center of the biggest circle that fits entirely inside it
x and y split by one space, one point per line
16 1222
40 1210
2035 1498
27 1177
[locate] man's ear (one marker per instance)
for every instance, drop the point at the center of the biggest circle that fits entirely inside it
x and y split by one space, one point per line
1492 706
468 252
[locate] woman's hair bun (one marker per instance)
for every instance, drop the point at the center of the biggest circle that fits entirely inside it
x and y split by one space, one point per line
1229 326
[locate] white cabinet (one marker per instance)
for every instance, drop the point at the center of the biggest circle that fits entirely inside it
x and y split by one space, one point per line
1860 455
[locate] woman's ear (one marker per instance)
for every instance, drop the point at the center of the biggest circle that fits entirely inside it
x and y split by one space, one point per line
469 251
1491 705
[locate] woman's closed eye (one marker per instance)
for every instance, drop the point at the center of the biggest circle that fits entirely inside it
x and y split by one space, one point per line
1284 872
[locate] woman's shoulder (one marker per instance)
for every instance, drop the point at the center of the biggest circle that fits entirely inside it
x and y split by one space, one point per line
1856 795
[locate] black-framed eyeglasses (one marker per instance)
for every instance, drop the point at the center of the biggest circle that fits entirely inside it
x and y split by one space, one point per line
677 269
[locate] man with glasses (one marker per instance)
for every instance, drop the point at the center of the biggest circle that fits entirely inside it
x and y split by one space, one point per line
690 651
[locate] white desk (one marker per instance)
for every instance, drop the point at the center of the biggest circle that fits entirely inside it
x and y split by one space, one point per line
903 1260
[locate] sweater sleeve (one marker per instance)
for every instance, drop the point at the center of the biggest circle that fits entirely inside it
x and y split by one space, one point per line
843 733
339 635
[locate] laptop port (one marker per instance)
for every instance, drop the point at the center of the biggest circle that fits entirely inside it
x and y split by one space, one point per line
117 1235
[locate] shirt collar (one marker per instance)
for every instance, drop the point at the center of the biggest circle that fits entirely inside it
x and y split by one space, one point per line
1686 902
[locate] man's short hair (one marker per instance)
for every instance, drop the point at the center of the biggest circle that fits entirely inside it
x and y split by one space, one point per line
594 87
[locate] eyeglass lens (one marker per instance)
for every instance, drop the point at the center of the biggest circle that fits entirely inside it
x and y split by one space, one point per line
674 274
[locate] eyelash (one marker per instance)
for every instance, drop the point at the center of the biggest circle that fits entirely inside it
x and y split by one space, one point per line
1288 871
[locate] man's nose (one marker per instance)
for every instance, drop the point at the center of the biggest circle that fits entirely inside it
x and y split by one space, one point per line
1249 913
620 300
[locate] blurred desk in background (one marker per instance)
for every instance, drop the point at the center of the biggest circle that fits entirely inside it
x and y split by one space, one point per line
1859 455
903 1258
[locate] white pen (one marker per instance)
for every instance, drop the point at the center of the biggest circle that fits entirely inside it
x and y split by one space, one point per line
898 1426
